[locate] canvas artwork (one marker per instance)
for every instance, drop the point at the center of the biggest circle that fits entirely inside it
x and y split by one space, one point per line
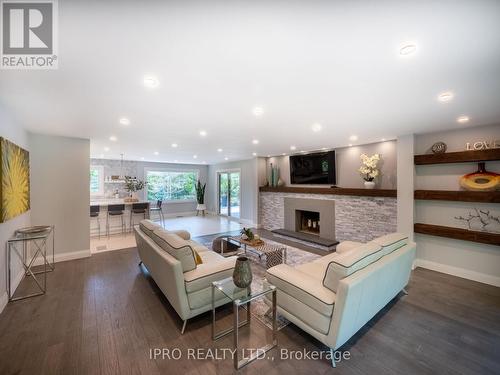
15 180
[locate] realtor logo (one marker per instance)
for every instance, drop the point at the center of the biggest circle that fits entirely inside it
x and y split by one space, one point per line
29 34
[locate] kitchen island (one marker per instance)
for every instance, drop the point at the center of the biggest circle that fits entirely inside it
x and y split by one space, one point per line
115 222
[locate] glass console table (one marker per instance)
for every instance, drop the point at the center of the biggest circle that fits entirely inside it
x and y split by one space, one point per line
18 248
240 297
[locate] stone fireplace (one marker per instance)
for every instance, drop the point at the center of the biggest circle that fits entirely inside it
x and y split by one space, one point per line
310 216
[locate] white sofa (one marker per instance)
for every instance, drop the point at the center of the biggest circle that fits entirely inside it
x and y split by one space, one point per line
333 297
170 257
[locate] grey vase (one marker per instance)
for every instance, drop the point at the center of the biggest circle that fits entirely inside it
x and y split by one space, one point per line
242 275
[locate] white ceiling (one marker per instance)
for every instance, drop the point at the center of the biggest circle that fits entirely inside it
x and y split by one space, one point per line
336 63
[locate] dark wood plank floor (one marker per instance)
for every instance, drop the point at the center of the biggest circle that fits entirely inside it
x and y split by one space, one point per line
102 315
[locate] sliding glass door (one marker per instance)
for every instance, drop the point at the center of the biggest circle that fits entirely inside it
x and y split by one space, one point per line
229 193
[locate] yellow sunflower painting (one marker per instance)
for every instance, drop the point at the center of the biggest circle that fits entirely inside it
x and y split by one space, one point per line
15 180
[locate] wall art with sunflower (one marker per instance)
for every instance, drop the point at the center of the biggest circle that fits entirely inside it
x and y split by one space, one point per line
15 180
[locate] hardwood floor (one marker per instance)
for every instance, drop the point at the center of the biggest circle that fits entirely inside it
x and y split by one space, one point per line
103 314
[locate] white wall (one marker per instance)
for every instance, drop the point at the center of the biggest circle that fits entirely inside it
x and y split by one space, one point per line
16 134
348 162
249 188
137 168
461 258
60 191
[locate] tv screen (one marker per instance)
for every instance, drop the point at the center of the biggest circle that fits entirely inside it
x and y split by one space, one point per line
312 169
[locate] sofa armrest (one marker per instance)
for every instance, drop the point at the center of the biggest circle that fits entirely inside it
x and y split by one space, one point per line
206 273
184 234
302 287
346 246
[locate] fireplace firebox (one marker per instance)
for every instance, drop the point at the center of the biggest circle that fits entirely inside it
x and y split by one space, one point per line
307 222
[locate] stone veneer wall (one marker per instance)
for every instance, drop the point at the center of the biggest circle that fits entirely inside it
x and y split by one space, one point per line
356 218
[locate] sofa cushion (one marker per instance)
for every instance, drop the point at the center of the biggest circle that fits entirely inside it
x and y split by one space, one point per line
148 227
314 269
391 242
177 247
303 287
345 246
206 273
184 234
349 262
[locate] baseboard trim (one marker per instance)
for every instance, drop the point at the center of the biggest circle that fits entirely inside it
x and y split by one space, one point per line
4 299
63 257
460 272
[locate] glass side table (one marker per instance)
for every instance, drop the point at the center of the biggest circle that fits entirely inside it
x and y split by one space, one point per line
239 297
18 245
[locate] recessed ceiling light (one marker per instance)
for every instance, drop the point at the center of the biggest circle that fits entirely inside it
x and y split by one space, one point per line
226 158
174 145
350 144
268 156
353 138
383 139
408 49
463 119
258 111
323 148
113 138
445 96
302 151
219 150
142 157
293 148
106 149
156 153
203 133
255 141
151 82
254 154
316 127
195 156
283 154
124 121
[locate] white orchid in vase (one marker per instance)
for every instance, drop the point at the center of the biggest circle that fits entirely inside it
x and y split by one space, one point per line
369 170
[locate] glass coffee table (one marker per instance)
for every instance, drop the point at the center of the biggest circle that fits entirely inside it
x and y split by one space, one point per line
239 297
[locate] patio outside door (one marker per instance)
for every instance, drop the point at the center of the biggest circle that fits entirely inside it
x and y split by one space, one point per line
229 194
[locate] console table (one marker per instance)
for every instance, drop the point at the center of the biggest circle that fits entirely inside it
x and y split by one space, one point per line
17 246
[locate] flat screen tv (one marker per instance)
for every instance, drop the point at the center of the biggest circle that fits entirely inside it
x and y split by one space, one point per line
313 169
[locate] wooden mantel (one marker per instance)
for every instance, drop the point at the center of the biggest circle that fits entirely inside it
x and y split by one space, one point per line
328 190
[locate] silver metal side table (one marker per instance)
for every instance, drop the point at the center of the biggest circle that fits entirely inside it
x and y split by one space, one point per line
18 248
240 297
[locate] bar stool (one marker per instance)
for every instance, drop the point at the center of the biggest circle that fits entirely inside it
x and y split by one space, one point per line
158 210
138 209
115 210
94 214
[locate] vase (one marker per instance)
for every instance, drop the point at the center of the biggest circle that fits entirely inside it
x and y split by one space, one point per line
242 275
369 185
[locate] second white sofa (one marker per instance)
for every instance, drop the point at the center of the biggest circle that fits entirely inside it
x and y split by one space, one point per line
333 297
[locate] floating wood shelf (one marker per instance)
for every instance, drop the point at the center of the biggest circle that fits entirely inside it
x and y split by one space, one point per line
335 191
459 196
458 157
458 233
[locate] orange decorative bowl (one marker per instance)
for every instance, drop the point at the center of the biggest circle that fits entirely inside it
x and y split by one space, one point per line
481 180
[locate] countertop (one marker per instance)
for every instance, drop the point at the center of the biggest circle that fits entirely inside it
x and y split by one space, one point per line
108 201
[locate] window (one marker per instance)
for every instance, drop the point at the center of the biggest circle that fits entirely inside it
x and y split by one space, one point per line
171 185
97 180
